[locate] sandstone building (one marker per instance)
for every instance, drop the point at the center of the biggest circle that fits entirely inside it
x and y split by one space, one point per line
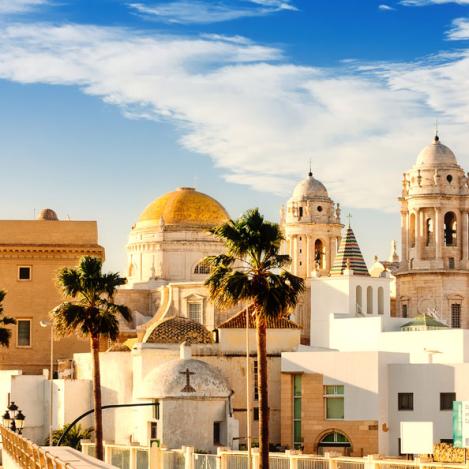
434 271
31 253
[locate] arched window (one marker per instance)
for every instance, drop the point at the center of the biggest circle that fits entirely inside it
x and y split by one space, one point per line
202 268
412 230
336 440
450 229
358 299
319 254
380 300
428 232
369 300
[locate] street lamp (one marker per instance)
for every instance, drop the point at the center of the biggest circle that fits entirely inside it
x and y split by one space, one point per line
45 323
13 418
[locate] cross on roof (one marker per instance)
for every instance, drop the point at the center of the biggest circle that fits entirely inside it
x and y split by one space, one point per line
349 216
187 387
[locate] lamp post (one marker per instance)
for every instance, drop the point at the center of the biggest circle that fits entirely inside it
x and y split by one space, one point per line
248 394
45 323
14 419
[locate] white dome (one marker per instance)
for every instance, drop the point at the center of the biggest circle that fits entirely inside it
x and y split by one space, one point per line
170 380
309 188
436 154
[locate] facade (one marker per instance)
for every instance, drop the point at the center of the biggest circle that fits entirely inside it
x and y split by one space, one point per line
434 271
165 254
31 253
312 229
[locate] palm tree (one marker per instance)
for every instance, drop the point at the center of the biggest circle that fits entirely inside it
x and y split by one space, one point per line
5 333
73 438
253 271
91 314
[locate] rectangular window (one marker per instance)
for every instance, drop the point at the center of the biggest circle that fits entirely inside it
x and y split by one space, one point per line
23 338
456 316
404 311
446 400
195 312
451 264
297 439
256 413
405 401
153 431
256 387
217 433
334 402
24 273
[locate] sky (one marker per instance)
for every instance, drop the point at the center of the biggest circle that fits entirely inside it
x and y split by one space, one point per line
107 104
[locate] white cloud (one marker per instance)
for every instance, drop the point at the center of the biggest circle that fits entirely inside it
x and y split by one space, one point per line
384 7
259 118
421 3
204 12
459 30
19 6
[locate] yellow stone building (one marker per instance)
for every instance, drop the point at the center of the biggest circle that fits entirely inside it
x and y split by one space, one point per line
31 253
434 271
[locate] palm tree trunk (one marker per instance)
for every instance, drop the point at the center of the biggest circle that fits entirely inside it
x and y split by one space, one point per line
98 415
263 391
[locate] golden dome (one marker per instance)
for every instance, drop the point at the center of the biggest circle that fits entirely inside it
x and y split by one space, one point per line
184 206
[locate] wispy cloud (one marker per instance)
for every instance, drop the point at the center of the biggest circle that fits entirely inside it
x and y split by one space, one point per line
19 6
459 30
204 12
384 7
422 3
259 118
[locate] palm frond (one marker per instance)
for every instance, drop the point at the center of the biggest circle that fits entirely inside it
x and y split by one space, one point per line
5 336
69 318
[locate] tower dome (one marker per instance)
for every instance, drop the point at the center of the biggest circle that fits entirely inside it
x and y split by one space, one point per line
309 188
47 214
186 207
436 154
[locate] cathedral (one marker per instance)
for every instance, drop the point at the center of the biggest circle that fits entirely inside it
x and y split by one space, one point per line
433 276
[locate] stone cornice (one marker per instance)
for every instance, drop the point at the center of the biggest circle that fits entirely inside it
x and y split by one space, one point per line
50 250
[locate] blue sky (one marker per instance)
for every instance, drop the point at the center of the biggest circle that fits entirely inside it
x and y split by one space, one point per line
106 104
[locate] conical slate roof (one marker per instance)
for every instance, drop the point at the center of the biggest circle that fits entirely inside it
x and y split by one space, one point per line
349 256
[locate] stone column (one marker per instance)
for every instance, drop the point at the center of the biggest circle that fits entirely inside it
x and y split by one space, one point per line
464 239
295 254
308 255
404 237
418 238
459 230
438 233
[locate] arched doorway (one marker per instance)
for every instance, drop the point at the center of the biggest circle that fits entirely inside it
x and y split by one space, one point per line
335 441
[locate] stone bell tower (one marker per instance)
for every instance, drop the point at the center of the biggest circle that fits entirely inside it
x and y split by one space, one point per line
434 273
312 230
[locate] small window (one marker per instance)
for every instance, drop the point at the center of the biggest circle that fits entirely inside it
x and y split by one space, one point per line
23 338
456 316
449 178
153 431
195 312
446 400
334 402
217 433
405 312
202 268
24 273
255 413
319 208
156 411
405 401
451 264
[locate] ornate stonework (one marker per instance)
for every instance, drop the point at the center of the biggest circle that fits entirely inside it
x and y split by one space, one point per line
434 271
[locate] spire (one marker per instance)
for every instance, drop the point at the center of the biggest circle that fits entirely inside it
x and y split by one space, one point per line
436 138
310 174
349 256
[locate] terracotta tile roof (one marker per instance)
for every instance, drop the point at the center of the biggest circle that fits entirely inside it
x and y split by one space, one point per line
238 321
178 329
349 256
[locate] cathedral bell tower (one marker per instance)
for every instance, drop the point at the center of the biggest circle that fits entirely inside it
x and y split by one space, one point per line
312 230
434 273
